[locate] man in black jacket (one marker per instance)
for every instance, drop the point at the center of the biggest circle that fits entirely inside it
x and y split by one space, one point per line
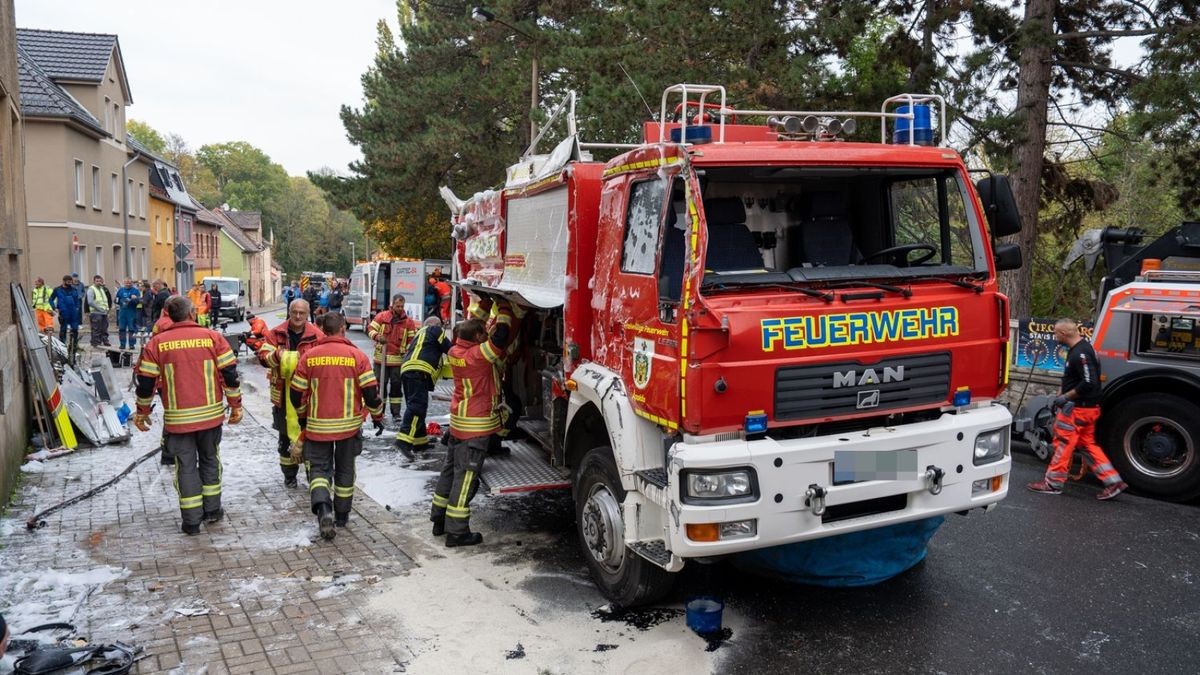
159 300
335 298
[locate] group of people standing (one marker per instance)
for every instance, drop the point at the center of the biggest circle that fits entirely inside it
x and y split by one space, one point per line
135 305
323 388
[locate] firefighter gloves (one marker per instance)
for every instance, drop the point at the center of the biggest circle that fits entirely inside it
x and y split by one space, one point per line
235 415
142 422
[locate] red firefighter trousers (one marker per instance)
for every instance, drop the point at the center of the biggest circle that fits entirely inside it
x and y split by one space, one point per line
1076 427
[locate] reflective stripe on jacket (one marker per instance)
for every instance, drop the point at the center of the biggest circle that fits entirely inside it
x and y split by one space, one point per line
277 341
400 331
331 379
187 359
476 386
426 351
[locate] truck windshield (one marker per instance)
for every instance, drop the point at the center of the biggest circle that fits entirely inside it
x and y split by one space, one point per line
226 286
820 226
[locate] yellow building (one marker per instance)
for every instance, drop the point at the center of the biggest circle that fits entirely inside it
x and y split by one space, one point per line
162 236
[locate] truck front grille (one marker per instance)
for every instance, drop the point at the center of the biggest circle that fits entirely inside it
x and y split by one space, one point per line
819 391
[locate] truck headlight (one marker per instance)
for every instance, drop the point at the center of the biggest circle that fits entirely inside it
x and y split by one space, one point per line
726 485
991 446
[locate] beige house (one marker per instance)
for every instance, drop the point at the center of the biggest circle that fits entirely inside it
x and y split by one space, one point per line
14 261
87 194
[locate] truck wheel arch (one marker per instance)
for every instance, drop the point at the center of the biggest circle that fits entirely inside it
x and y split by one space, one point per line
1145 381
599 407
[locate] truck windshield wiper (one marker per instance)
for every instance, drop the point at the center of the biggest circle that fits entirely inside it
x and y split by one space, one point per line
810 292
956 281
906 292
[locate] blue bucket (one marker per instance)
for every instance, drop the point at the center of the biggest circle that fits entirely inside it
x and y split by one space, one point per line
704 614
922 125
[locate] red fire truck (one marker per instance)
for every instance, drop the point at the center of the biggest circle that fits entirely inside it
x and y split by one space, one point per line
744 336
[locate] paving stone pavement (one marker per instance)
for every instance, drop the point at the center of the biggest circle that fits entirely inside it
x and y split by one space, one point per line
259 592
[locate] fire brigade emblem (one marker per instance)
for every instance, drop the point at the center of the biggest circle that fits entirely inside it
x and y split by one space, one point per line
643 359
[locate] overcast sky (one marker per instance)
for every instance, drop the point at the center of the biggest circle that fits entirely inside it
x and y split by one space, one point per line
270 72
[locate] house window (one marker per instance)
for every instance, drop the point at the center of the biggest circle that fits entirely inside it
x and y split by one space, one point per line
117 126
117 262
96 188
142 200
116 195
79 262
158 229
78 183
129 205
107 120
145 269
99 263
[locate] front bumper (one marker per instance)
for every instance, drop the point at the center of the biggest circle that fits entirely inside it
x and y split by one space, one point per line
786 469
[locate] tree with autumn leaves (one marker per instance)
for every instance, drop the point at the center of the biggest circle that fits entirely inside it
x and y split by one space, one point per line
1033 90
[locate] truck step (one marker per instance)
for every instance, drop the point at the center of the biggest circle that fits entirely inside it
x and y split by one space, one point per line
654 550
656 477
526 469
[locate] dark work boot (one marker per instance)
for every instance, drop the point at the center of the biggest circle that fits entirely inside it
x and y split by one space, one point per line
496 447
212 517
325 522
341 518
191 529
463 539
439 528
404 448
289 479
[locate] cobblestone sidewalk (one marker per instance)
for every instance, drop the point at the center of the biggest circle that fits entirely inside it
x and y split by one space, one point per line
259 592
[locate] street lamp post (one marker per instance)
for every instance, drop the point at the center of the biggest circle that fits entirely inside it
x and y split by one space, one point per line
353 258
482 15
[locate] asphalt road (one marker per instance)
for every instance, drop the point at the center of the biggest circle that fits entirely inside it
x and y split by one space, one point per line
1048 584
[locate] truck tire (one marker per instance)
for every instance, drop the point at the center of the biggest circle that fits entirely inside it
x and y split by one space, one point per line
623 576
1154 441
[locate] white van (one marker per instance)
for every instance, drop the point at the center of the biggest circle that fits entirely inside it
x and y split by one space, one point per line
233 296
357 303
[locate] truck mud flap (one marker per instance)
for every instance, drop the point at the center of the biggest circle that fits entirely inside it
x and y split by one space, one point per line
526 469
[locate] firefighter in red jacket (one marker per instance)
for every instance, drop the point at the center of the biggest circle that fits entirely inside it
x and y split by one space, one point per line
193 363
282 350
331 385
473 420
392 330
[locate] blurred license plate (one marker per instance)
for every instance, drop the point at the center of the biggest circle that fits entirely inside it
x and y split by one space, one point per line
851 466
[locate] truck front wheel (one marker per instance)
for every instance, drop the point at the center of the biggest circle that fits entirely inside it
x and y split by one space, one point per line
1154 441
622 575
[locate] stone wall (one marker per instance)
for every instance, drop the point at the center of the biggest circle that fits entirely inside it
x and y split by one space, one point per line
14 259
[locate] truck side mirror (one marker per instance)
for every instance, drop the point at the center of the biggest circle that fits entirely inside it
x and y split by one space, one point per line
242 291
1007 257
999 205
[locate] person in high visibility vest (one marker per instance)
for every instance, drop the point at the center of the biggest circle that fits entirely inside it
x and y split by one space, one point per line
198 372
420 370
42 309
282 350
98 300
392 330
473 419
329 389
200 300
